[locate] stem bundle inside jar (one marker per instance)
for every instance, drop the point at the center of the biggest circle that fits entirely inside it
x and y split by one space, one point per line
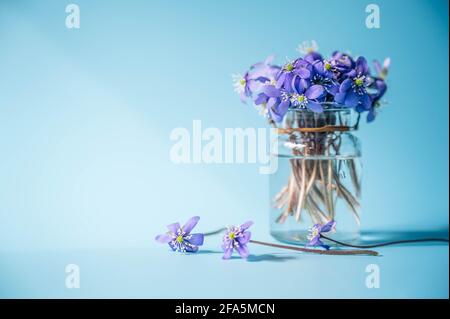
315 185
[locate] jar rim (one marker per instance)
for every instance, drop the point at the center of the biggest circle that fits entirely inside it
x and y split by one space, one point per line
328 107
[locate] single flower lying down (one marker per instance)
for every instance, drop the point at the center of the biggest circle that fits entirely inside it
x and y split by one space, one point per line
180 238
236 237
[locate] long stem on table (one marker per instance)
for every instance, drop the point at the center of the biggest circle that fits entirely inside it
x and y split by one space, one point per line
305 250
318 251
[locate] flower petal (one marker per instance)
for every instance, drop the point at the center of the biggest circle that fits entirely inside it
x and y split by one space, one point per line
280 80
195 239
361 65
227 253
192 249
318 67
243 251
377 66
366 102
274 115
313 56
254 86
272 102
303 72
328 226
315 107
288 83
351 74
278 111
245 238
302 86
340 98
371 115
333 89
190 224
246 225
260 99
163 238
352 99
345 85
315 92
271 91
381 88
174 227
359 108
313 241
281 110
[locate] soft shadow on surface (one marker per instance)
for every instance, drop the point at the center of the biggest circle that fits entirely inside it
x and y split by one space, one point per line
270 257
251 258
208 251
370 237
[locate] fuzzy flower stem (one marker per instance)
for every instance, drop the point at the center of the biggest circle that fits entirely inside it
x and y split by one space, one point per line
215 232
319 251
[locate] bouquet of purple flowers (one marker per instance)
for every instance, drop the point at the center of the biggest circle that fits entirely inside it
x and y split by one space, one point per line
310 100
314 83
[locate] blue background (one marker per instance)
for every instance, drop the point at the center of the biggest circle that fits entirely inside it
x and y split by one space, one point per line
85 118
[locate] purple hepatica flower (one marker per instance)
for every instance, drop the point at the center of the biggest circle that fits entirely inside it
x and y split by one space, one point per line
290 72
342 61
272 97
237 238
379 88
245 85
254 79
306 98
312 57
264 71
323 75
353 90
180 238
316 230
382 71
278 110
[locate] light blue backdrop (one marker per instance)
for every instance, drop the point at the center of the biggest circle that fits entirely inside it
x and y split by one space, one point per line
85 118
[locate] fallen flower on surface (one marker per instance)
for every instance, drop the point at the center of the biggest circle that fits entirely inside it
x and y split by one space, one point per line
180 239
315 233
236 237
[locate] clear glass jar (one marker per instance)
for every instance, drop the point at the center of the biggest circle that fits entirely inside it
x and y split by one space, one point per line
318 177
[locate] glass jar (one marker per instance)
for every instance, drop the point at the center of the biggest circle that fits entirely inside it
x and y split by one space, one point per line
318 177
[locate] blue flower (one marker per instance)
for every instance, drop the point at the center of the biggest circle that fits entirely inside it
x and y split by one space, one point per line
315 232
382 70
236 237
353 90
341 63
378 89
278 101
180 238
252 81
306 98
312 83
272 98
323 75
291 71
